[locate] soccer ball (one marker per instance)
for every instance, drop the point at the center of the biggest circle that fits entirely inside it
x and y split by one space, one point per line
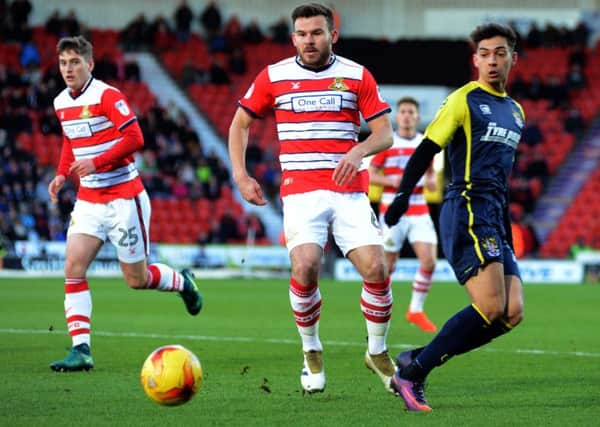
171 375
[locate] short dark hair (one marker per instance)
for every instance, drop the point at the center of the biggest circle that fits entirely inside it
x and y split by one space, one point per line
408 100
78 44
309 10
487 31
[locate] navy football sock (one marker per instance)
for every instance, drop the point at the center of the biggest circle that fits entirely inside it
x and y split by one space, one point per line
457 334
497 328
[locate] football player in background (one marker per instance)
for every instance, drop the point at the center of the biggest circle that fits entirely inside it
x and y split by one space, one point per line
386 169
100 135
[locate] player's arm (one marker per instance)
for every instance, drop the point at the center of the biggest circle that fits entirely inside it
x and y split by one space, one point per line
430 178
418 163
379 139
376 172
238 141
62 171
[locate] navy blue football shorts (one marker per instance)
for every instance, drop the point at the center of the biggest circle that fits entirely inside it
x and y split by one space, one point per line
472 234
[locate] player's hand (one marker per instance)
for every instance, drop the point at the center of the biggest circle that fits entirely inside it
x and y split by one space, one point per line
396 209
251 190
347 167
54 187
82 167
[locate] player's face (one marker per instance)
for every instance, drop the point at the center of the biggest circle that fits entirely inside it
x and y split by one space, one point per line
494 59
407 118
75 70
313 40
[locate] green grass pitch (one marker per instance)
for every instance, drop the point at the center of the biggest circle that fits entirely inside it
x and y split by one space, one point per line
546 372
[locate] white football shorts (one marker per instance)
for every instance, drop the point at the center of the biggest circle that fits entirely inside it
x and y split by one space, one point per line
307 218
417 228
125 222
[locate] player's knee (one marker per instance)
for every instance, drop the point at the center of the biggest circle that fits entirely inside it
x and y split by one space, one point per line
375 271
135 281
306 271
492 309
428 264
74 268
515 314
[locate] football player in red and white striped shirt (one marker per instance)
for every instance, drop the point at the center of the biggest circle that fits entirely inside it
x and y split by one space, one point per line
100 135
318 98
386 169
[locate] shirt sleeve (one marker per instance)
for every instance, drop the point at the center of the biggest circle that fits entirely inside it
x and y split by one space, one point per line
378 159
258 99
117 109
370 102
449 117
66 158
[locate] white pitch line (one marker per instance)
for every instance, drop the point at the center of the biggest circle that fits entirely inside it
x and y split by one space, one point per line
280 341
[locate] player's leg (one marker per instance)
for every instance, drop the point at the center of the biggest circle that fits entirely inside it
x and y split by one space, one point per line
426 254
473 249
306 234
81 249
305 300
130 219
358 235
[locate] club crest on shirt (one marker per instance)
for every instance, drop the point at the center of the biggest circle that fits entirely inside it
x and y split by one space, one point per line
518 118
85 112
485 109
121 105
338 84
490 245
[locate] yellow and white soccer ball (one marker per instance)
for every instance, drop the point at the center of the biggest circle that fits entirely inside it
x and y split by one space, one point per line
171 375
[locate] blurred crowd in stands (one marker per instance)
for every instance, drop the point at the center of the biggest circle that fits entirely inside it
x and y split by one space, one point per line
173 162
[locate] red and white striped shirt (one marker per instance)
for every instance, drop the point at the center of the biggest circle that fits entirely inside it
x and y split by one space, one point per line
318 118
98 124
393 161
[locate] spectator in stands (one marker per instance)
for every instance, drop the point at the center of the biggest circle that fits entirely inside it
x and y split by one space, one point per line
53 24
534 37
70 24
574 122
132 71
581 35
136 34
228 228
519 88
280 31
234 37
537 167
578 56
556 91
211 20
217 73
254 224
532 134
237 62
19 11
575 79
29 55
183 21
161 35
106 68
252 33
537 89
191 74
